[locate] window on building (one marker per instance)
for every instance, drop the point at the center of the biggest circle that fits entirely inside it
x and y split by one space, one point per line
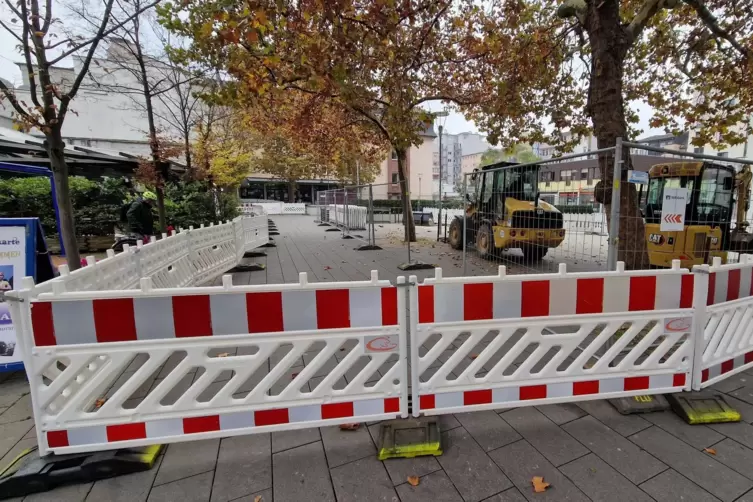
584 174
394 155
698 149
394 178
566 176
723 154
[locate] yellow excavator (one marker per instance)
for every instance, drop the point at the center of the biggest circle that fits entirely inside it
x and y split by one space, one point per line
506 213
714 192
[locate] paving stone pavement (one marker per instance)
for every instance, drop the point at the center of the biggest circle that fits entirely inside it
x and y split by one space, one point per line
587 451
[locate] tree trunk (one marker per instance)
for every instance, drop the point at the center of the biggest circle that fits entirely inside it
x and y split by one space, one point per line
55 147
161 212
408 224
291 191
187 146
606 107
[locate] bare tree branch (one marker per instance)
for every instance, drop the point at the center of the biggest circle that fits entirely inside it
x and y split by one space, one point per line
642 17
712 23
11 95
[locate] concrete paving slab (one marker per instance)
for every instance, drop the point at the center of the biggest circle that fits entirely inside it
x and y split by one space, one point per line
698 436
284 440
18 411
670 486
488 429
741 432
521 462
601 482
708 473
554 443
12 390
193 489
733 383
244 466
11 433
69 493
187 459
131 488
472 472
743 393
734 455
302 474
364 480
561 413
435 487
511 495
605 413
346 446
745 409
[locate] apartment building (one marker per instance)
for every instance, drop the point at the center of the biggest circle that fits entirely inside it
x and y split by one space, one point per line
420 164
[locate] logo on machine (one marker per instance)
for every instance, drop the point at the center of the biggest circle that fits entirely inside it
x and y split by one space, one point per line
656 239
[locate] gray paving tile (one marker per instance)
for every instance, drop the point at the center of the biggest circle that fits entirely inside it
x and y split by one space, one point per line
743 394
12 390
488 429
733 383
748 497
17 449
511 495
745 409
346 446
130 488
12 433
266 496
561 413
626 457
741 432
554 443
301 474
285 440
698 436
605 413
435 487
20 410
521 462
600 482
69 493
734 455
244 466
187 459
193 489
669 486
447 422
363 481
709 474
472 472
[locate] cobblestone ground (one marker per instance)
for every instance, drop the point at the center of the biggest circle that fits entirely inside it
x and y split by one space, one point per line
587 450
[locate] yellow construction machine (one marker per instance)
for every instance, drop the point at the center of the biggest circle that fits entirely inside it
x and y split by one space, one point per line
714 192
506 213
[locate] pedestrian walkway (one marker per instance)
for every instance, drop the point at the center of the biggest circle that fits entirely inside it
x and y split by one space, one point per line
586 451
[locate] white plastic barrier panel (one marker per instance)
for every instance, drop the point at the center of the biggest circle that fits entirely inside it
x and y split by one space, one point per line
293 208
727 346
230 359
505 341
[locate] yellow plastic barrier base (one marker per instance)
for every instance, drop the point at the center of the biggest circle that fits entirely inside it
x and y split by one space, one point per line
640 404
29 473
703 408
409 438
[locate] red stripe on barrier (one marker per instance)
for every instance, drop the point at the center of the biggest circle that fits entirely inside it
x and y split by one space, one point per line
392 405
195 425
748 357
427 402
425 304
389 306
271 417
125 432
114 320
337 410
686 291
712 289
264 312
42 324
590 296
471 397
478 301
532 392
728 366
57 439
678 380
636 383
192 316
704 375
534 298
642 293
333 308
585 388
733 285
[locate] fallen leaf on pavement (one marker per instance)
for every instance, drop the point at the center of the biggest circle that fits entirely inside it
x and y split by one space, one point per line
539 485
710 451
223 354
474 356
99 402
327 267
413 480
257 498
349 427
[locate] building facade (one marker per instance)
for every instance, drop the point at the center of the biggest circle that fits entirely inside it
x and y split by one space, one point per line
420 163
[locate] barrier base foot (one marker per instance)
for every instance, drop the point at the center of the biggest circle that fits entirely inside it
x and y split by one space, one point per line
416 265
247 267
640 404
322 224
333 230
368 247
347 236
30 473
703 408
269 244
254 254
408 438
274 233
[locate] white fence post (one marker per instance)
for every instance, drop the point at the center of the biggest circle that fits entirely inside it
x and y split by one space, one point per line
700 298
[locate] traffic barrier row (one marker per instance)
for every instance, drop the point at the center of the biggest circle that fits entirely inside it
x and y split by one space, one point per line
125 368
273 207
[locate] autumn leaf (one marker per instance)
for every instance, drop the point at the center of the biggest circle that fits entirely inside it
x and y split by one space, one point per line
474 356
100 402
539 485
257 498
349 427
414 480
39 33
710 451
223 354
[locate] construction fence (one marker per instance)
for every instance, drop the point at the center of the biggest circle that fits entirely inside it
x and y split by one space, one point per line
120 368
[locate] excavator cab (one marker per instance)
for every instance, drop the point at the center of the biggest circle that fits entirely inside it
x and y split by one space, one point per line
708 213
